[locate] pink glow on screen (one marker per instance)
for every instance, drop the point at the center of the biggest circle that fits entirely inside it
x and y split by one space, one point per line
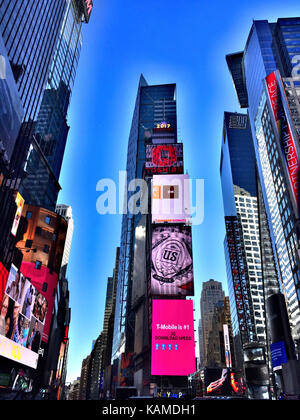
173 341
38 278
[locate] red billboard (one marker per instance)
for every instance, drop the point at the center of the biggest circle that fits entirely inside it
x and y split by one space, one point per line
287 142
164 159
173 341
46 284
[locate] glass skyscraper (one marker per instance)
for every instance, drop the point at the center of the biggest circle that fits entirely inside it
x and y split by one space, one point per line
40 185
251 275
154 105
272 53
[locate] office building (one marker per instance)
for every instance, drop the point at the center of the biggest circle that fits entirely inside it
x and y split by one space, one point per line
266 79
154 104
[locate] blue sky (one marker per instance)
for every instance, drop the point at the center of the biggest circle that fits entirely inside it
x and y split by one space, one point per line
179 41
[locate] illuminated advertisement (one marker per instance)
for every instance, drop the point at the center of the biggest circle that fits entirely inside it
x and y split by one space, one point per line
3 280
173 341
11 110
170 199
46 284
287 142
87 9
23 313
223 382
20 204
227 346
172 261
127 369
164 158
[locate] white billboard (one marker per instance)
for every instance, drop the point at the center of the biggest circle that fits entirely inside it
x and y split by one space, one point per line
170 199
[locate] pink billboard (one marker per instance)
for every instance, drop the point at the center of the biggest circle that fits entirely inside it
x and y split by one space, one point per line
173 341
45 283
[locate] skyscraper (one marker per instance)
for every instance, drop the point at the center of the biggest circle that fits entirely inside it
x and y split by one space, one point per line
154 104
266 79
244 213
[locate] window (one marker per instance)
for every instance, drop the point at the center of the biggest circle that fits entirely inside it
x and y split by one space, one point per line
46 249
29 215
48 220
38 264
28 243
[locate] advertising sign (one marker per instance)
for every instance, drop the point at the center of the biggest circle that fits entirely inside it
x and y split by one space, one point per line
278 354
87 9
11 110
172 261
164 158
23 312
223 382
45 283
20 204
287 141
170 199
173 341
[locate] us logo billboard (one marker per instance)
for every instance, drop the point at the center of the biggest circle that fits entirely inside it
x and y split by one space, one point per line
172 261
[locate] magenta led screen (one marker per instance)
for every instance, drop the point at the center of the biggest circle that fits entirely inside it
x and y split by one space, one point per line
173 341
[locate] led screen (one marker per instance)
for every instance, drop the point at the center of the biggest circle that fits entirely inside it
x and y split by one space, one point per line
173 342
222 382
172 261
287 141
170 199
46 284
20 204
164 158
23 313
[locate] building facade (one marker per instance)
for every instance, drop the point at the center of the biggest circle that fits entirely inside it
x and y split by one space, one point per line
266 79
154 104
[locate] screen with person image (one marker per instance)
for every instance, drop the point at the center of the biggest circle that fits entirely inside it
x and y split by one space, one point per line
22 315
34 335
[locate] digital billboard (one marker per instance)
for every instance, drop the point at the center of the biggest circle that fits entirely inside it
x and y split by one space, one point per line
170 199
164 159
11 110
46 284
223 382
173 341
20 204
172 270
87 9
23 312
287 142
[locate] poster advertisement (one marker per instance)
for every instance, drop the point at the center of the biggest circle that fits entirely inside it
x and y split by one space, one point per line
173 341
20 204
172 261
170 199
23 313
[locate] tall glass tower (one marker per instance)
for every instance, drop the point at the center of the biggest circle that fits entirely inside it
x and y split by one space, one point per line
267 80
44 160
154 105
251 269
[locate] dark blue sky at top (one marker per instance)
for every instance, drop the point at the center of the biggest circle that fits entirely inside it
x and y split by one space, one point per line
179 41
